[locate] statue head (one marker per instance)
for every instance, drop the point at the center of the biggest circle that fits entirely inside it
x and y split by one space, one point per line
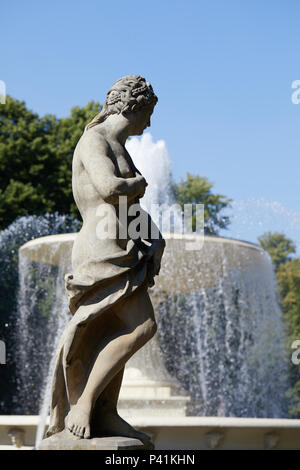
127 95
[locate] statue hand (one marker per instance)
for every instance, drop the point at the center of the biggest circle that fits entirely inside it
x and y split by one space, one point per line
142 185
150 273
155 255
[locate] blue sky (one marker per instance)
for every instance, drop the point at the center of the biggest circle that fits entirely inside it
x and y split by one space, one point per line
222 70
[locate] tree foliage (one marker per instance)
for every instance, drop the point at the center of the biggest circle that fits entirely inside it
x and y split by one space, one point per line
287 268
288 279
196 189
279 247
36 160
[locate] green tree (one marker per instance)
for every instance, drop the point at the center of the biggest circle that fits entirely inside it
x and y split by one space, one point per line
36 160
287 269
288 279
24 151
279 247
196 189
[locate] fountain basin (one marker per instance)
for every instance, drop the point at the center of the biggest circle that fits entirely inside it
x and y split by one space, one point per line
218 305
53 249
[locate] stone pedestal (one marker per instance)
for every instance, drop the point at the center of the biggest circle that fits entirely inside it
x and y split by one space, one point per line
66 441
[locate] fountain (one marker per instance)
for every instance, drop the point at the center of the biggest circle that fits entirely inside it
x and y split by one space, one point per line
207 379
221 320
227 312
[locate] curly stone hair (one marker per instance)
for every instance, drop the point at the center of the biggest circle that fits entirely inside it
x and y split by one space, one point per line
127 95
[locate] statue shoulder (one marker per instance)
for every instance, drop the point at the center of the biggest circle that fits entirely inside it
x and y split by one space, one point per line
94 138
91 144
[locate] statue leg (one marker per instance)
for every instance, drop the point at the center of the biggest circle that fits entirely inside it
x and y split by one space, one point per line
135 322
106 420
109 398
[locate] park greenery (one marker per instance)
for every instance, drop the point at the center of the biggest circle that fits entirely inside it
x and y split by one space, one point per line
196 189
287 270
36 160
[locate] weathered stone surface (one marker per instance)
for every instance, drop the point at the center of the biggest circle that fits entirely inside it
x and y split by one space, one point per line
112 269
66 441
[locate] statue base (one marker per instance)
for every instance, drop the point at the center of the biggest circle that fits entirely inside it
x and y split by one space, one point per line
66 441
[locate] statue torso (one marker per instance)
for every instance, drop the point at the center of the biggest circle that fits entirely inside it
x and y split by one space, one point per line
88 200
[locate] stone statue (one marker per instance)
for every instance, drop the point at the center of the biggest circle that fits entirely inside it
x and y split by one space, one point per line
108 288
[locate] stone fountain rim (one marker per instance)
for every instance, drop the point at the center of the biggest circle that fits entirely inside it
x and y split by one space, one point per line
64 237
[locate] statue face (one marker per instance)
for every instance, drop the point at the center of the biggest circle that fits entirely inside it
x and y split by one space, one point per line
140 119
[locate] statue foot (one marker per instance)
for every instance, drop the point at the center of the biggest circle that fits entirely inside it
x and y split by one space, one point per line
113 425
78 421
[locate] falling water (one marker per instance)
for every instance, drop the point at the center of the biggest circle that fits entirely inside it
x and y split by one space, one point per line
43 313
223 340
230 334
34 305
153 161
15 385
39 319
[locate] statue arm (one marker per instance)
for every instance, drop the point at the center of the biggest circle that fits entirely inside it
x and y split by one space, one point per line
102 172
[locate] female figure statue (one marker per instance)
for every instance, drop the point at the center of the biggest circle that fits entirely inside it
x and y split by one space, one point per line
107 290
